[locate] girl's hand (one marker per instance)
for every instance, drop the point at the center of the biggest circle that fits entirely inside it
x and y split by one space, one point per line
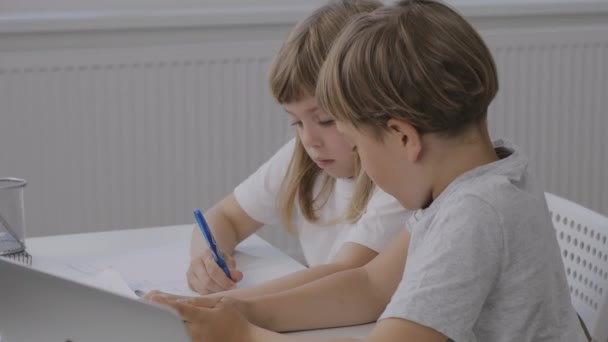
206 277
210 319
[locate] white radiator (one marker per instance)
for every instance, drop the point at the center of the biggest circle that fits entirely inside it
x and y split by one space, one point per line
553 103
128 138
137 133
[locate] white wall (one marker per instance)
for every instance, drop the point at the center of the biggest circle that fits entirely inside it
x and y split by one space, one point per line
70 15
75 5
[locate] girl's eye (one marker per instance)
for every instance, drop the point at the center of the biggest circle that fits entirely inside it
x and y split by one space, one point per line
326 123
296 123
354 148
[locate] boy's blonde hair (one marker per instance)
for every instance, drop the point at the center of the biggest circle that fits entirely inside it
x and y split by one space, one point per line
417 61
293 76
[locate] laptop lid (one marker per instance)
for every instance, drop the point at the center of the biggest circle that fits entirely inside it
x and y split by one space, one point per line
37 306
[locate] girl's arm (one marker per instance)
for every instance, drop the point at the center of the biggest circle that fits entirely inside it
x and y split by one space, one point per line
230 225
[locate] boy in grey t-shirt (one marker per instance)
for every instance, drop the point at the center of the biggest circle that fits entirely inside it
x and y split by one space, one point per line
484 263
410 85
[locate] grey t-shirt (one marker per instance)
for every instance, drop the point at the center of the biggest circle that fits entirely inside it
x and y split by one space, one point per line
484 264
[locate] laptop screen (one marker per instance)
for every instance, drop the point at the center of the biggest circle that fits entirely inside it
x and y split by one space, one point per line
40 307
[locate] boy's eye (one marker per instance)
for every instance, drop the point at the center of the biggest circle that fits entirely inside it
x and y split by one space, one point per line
354 148
327 122
296 123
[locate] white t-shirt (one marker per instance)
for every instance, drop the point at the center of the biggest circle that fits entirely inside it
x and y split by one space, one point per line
484 263
383 220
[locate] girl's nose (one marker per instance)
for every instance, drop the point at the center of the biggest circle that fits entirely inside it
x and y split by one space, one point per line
311 137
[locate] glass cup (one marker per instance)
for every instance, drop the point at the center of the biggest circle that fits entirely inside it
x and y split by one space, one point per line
12 216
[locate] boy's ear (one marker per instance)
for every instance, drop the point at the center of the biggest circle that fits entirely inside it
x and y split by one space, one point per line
407 136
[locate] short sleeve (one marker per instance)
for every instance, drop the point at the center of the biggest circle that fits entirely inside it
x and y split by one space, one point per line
257 194
382 221
451 269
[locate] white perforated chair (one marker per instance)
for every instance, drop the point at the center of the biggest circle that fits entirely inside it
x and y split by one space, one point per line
583 239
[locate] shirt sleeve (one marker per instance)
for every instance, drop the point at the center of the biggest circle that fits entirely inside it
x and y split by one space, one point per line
382 221
257 194
451 270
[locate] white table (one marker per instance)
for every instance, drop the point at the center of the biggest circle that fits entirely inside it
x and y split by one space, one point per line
102 244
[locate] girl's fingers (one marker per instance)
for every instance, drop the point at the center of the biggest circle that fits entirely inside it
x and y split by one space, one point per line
229 260
217 278
236 275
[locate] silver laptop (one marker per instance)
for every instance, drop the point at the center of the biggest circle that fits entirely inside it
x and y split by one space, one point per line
36 307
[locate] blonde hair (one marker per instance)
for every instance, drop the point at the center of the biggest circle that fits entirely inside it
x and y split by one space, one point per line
293 76
417 61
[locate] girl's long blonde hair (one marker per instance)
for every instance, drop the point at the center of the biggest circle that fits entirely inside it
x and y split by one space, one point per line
293 76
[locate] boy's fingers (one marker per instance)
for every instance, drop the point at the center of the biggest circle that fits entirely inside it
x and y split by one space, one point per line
202 301
160 300
168 296
152 293
189 313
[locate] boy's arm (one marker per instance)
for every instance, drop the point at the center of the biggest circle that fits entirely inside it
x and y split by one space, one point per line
380 223
387 330
350 297
345 298
219 320
350 256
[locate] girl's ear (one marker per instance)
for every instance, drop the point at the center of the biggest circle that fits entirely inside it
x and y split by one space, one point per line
407 136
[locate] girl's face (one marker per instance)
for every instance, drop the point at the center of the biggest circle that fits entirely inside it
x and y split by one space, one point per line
321 140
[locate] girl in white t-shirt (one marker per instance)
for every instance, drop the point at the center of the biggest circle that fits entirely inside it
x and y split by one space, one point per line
308 185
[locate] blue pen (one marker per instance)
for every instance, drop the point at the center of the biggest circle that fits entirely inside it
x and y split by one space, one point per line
211 241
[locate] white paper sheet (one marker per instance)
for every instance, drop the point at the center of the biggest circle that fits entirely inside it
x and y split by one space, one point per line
112 281
164 267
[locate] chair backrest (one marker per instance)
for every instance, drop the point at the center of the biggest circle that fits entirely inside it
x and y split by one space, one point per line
583 238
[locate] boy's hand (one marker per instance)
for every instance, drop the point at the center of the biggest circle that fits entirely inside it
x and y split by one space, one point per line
165 296
205 276
210 319
243 306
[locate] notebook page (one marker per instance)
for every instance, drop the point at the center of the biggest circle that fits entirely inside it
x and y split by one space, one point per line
164 267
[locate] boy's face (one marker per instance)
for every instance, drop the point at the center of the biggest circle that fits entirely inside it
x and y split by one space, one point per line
390 163
319 136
